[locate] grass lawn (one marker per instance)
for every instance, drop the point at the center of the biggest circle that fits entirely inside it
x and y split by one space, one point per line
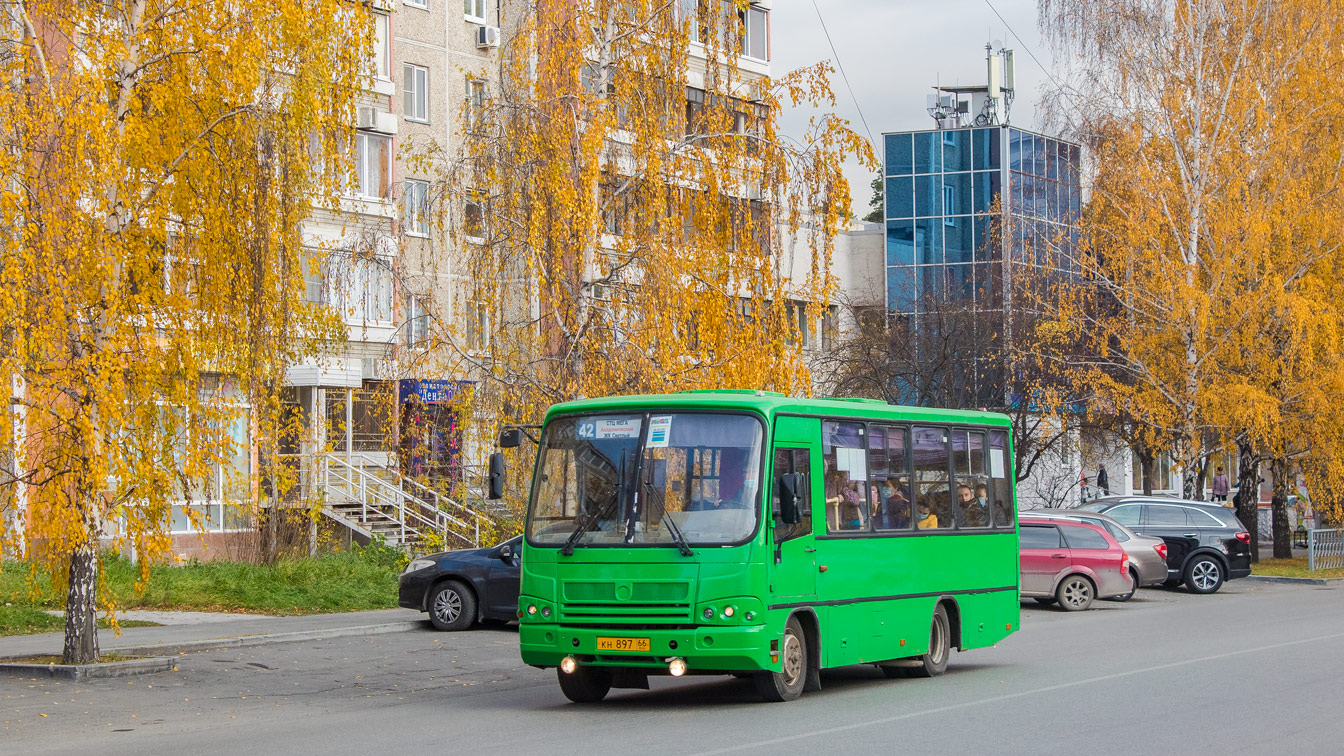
345 582
1295 567
26 620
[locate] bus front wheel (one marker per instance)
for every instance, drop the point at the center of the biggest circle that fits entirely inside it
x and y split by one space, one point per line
787 684
585 684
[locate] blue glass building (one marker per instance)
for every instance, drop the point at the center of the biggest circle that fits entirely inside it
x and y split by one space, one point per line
962 204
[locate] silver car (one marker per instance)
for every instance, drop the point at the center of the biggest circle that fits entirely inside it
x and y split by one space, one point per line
1147 555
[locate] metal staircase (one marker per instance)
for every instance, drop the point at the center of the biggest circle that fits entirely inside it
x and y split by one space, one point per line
375 500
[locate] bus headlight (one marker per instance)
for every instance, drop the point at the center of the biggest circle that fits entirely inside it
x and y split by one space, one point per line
568 665
677 667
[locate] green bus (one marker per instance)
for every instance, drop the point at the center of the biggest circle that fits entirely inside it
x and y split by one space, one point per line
754 534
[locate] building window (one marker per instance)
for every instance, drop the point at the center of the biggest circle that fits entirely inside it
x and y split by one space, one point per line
478 327
753 26
314 282
382 52
474 11
415 208
473 217
695 109
415 84
422 4
949 204
373 164
362 291
475 103
417 323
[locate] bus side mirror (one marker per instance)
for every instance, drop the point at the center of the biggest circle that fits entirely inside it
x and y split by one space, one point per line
510 437
496 476
788 486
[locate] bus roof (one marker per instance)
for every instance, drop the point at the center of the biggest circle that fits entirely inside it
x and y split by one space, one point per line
771 403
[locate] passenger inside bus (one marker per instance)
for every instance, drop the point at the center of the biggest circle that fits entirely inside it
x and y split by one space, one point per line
926 519
893 511
969 511
844 502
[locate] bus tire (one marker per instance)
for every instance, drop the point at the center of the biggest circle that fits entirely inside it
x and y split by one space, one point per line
787 684
934 663
585 684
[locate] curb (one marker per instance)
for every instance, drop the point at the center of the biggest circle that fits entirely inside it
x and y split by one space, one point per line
76 672
240 641
1292 580
157 664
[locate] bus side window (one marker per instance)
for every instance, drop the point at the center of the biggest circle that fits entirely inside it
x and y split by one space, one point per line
846 468
793 461
933 496
1000 488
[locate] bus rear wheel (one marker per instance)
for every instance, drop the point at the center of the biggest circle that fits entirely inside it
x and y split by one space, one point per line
934 663
787 684
585 684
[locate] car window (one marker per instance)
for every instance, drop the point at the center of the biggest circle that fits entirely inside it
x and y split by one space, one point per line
1202 518
1117 532
1125 515
1160 514
1084 538
1040 537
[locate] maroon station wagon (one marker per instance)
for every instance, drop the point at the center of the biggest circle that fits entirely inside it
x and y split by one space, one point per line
1071 563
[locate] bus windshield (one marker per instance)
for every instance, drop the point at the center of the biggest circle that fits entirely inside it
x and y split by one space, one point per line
618 480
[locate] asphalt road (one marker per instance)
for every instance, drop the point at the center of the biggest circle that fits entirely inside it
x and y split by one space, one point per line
1256 668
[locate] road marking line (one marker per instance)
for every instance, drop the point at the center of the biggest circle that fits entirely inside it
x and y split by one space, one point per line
1010 696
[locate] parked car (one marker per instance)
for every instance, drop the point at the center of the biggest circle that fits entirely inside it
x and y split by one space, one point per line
462 587
1147 554
1070 563
1206 544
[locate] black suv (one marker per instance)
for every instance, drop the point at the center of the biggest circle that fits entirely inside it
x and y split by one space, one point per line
1206 544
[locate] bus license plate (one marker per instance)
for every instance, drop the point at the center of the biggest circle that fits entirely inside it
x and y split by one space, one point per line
622 644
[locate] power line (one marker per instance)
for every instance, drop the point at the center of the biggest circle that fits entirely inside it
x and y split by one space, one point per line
841 66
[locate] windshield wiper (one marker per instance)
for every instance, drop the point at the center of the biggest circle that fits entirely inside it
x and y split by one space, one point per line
595 515
677 537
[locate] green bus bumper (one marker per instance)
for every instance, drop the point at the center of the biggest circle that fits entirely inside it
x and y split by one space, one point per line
709 648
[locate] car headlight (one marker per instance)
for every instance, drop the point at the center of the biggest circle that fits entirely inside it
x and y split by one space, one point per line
418 564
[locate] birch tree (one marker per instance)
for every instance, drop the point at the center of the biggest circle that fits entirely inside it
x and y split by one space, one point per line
627 216
1195 112
158 166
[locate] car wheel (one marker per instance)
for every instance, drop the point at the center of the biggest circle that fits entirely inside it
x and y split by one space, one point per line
585 684
452 606
1133 588
787 684
1203 575
934 663
1075 593
1044 601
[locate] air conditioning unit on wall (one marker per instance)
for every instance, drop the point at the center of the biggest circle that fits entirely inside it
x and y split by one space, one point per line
487 36
366 118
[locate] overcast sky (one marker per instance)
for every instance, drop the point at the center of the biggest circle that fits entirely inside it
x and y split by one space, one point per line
895 51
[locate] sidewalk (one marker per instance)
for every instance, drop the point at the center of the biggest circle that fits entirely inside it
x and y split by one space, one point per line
182 631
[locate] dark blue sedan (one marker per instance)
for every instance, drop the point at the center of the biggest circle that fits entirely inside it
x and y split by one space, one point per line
460 588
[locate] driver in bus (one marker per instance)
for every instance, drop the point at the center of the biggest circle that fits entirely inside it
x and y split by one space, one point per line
733 491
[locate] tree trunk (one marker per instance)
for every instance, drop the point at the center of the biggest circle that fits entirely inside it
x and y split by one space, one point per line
1283 543
81 617
1146 471
1248 494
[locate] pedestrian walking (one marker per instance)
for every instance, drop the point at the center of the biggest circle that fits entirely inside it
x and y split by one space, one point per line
1220 485
1103 482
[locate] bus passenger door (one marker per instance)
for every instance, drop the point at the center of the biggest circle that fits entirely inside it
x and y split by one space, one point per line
793 573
